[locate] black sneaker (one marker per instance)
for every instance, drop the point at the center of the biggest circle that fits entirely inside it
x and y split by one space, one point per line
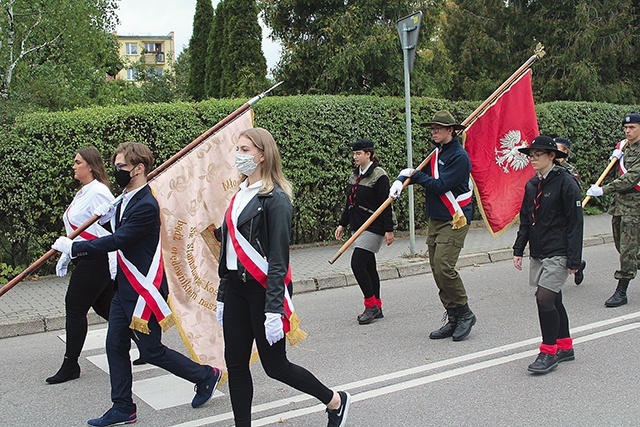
113 417
338 417
579 276
544 363
566 355
205 389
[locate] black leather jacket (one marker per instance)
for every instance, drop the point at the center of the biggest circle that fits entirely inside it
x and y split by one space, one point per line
266 223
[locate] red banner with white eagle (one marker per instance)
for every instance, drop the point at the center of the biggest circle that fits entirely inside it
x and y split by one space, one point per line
498 169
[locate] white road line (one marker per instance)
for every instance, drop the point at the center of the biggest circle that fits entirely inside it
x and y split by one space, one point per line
435 377
420 369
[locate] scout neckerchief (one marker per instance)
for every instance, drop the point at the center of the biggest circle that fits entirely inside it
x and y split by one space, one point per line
623 169
258 268
452 203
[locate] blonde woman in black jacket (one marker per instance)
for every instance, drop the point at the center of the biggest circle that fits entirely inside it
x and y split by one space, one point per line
254 295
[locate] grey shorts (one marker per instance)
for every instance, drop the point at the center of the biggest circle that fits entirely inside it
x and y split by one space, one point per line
369 242
548 273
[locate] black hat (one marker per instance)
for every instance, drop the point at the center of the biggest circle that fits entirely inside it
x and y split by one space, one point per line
631 118
362 144
563 141
543 142
445 118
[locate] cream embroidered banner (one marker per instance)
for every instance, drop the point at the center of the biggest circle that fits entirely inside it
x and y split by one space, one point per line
193 194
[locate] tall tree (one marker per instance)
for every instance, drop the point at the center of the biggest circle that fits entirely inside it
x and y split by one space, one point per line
475 36
340 46
592 47
55 54
217 39
198 48
243 67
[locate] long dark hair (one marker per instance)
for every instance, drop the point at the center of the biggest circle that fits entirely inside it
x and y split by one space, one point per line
91 155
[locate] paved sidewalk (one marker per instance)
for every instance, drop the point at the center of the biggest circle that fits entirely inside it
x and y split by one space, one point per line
38 305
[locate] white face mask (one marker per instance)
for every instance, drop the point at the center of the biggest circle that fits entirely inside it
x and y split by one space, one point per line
245 164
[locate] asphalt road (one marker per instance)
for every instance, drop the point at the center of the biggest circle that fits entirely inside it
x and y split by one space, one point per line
396 374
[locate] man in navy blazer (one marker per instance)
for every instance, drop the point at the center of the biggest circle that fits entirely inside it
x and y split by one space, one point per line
138 310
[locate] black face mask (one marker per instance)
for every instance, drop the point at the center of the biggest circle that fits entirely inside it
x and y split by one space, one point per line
122 177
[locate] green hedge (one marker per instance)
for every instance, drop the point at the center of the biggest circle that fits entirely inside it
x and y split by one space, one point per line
313 132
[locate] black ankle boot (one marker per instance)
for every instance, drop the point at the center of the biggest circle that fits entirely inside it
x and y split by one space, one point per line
448 328
70 370
466 319
619 297
370 313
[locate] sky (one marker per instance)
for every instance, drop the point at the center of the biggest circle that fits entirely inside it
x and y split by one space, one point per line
160 17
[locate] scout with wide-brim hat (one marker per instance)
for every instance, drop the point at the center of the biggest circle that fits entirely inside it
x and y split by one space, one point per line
545 143
445 119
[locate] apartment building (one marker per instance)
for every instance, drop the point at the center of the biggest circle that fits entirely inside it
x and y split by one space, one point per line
158 53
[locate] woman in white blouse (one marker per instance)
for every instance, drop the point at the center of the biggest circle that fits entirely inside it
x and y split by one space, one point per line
90 284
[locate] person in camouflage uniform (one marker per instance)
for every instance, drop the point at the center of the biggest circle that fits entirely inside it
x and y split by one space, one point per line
625 208
564 145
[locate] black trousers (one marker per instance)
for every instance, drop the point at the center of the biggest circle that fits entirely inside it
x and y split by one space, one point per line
243 321
152 351
90 285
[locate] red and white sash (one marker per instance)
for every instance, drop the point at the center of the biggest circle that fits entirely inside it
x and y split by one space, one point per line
85 234
621 167
150 301
258 268
453 204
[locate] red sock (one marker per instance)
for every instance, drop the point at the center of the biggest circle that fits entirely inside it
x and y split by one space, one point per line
379 301
548 349
370 302
565 343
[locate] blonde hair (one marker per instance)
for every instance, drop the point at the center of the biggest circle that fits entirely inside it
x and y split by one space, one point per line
271 166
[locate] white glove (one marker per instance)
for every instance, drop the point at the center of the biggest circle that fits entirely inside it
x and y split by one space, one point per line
396 189
219 312
105 211
595 191
62 265
113 265
617 154
406 172
63 244
273 328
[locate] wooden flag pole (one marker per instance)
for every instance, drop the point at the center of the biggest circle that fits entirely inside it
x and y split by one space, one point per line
375 215
538 53
604 174
154 173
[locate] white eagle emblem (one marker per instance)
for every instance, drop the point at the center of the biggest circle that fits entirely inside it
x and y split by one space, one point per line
508 156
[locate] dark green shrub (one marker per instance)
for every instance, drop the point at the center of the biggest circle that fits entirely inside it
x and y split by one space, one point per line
313 133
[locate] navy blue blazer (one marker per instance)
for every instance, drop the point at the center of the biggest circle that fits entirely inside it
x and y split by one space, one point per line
136 235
